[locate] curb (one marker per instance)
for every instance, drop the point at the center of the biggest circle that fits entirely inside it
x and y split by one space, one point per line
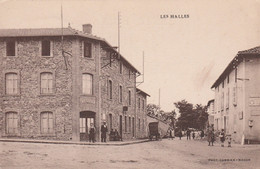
75 143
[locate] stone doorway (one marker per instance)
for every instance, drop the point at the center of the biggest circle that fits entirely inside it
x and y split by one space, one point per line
86 118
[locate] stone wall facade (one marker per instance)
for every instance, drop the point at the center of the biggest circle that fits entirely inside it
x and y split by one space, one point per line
67 103
28 103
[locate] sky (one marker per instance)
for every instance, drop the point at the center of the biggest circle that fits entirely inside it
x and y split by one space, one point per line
183 56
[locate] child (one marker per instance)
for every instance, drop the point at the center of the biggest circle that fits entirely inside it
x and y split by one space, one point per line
222 137
193 135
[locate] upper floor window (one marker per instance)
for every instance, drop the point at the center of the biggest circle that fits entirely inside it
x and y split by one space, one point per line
46 83
46 48
139 103
110 89
11 123
87 84
129 73
87 49
10 48
143 105
120 94
120 67
235 74
129 97
47 122
11 83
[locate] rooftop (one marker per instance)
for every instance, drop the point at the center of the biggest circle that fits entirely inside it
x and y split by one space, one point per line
142 92
237 60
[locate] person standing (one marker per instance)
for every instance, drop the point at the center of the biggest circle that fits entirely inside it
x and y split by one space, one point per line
92 132
211 136
188 134
103 132
222 137
180 134
170 131
201 134
193 135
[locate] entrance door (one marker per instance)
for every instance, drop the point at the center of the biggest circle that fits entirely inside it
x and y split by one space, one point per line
86 118
121 126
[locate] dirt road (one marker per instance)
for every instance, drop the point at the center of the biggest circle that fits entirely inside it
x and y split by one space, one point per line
176 153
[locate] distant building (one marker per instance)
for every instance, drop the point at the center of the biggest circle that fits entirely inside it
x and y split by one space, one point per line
237 97
55 82
210 111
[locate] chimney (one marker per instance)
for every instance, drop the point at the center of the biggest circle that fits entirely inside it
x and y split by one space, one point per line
87 28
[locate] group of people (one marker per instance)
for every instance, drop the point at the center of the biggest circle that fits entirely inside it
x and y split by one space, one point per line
114 135
189 133
92 132
222 137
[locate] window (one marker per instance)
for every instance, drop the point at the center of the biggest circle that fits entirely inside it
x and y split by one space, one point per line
87 84
228 79
11 83
110 121
11 123
223 84
227 98
125 124
129 124
82 125
235 74
46 48
110 88
129 73
143 104
129 97
120 67
46 122
143 124
234 95
10 48
139 103
222 101
87 49
139 124
120 94
46 83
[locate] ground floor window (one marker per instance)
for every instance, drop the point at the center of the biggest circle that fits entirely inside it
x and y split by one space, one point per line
129 124
11 123
125 124
47 122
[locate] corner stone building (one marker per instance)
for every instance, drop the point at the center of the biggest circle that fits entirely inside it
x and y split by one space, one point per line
56 82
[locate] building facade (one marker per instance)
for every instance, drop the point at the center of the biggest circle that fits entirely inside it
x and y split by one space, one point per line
237 97
210 111
56 82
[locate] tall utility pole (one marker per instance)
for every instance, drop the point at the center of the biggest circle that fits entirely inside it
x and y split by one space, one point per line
118 33
159 97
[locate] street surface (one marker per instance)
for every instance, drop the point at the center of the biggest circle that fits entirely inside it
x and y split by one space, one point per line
178 154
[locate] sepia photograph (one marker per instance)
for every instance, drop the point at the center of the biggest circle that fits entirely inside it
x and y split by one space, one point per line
129 84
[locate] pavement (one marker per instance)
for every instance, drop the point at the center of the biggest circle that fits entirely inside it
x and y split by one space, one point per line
113 143
108 143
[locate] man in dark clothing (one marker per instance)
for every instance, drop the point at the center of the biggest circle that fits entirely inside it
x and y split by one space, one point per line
92 131
201 134
188 134
104 132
